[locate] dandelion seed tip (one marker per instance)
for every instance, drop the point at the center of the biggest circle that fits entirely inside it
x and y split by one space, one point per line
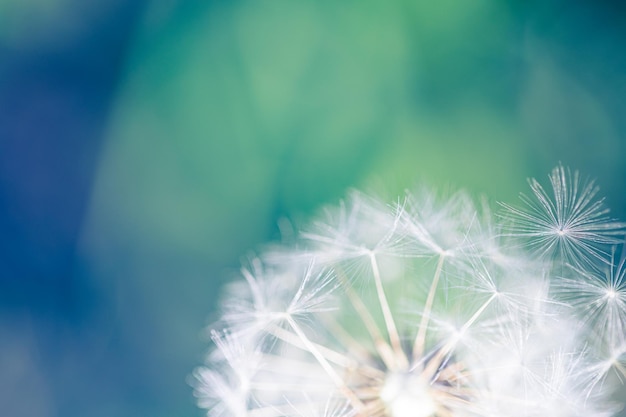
280 315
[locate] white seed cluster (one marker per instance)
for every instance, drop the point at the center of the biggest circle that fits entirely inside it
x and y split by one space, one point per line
430 307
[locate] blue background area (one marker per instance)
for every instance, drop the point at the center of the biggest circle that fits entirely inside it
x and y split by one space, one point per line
146 145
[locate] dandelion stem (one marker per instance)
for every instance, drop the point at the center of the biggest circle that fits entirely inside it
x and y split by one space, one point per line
478 313
344 337
394 336
382 347
330 371
420 339
438 359
332 356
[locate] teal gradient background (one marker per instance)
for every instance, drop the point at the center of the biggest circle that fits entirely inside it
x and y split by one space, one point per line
147 146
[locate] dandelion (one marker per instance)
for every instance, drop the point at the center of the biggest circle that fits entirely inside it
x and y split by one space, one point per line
429 307
574 224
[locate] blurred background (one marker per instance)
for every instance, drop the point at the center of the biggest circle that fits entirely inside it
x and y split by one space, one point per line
147 145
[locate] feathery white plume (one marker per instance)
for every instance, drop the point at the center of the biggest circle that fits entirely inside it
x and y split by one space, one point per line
430 307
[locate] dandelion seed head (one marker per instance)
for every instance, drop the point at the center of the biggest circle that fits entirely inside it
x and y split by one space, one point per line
429 307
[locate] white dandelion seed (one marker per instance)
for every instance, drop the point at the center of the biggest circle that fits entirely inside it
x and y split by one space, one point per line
571 222
423 308
598 297
441 227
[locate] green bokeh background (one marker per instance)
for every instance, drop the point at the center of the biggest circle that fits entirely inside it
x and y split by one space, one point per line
233 115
